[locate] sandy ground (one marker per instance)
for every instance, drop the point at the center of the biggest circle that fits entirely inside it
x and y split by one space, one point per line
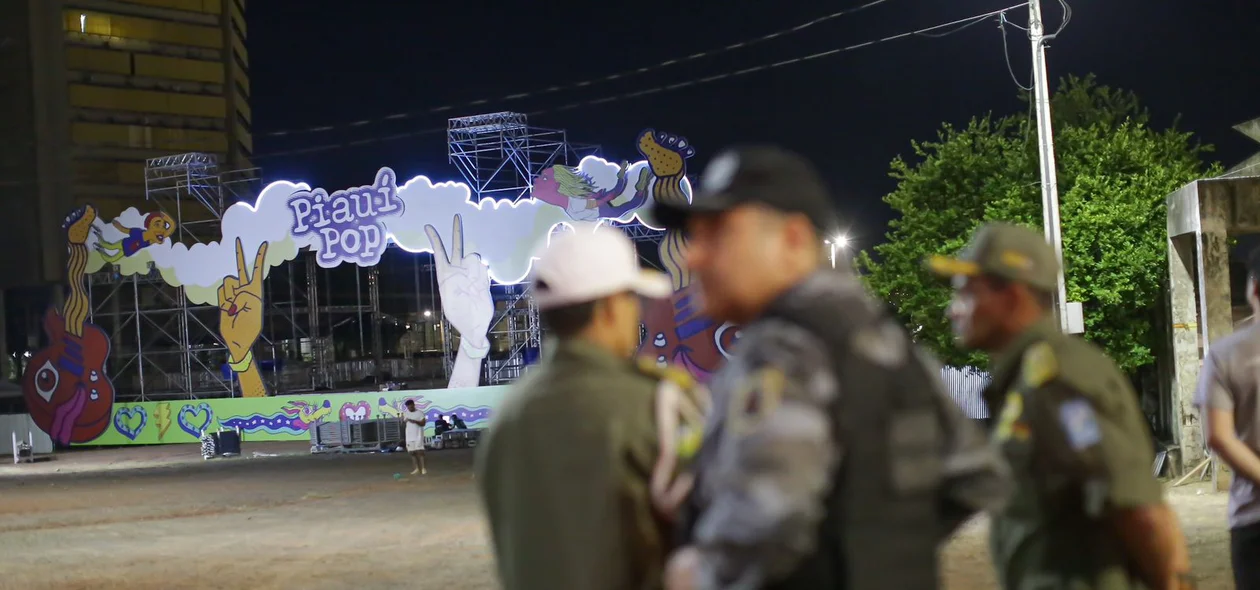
161 518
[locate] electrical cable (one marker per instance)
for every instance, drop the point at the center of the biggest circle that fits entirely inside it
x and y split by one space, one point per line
1006 52
654 90
589 82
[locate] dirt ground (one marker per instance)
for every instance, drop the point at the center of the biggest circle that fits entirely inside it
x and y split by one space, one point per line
161 518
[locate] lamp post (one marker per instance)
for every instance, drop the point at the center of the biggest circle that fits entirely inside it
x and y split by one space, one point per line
837 243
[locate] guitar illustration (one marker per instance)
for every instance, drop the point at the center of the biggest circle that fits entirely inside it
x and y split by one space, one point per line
67 392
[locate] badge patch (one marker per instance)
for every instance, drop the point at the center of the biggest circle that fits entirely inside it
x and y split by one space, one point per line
1079 424
1040 365
756 397
1011 413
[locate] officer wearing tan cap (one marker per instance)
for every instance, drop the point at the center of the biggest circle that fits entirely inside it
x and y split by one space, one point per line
1087 513
577 470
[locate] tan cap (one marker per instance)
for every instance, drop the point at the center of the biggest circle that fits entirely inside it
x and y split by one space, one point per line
1012 252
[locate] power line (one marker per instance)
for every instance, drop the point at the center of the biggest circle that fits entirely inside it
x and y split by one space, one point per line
589 82
657 89
1006 53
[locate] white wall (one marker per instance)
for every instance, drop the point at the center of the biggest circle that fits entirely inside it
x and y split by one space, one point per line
22 425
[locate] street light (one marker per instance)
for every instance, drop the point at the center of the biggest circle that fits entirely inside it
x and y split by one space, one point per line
840 242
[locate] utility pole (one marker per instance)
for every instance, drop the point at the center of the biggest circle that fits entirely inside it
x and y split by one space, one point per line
1045 144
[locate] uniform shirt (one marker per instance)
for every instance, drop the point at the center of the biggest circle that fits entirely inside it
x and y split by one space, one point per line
563 471
1230 382
415 432
769 456
1069 424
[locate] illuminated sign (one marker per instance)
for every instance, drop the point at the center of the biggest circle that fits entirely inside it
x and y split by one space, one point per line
346 225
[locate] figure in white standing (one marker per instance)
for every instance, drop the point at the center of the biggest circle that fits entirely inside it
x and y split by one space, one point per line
464 289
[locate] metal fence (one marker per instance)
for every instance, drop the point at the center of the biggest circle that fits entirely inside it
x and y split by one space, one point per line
966 385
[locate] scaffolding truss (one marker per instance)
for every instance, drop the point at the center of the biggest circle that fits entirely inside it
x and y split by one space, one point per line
500 154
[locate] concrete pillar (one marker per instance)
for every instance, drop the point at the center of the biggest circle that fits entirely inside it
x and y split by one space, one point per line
1187 426
1214 301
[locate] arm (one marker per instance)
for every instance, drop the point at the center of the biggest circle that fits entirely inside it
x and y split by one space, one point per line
975 477
1111 450
467 369
1223 438
251 381
775 460
1216 403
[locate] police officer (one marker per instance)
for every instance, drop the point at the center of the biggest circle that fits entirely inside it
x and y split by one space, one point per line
1087 512
833 457
569 465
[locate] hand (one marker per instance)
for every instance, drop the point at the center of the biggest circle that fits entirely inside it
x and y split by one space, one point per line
681 569
241 304
464 287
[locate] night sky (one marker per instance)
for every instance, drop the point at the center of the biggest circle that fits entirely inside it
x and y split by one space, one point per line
334 62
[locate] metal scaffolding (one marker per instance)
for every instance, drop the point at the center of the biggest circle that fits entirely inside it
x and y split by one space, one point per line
500 154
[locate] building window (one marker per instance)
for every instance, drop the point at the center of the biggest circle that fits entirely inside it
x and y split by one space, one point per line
240 63
243 122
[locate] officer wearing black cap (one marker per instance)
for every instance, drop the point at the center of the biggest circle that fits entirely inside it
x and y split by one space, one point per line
1086 512
833 458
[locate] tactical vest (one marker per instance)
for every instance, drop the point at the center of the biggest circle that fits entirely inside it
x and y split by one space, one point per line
882 529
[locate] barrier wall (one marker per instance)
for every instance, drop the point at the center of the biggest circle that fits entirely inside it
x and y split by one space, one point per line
287 417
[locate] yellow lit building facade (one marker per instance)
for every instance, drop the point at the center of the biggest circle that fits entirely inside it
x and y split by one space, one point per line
102 85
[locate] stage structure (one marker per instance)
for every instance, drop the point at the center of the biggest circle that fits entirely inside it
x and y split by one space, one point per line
177 310
499 155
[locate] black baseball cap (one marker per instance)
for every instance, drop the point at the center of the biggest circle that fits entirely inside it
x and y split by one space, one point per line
756 174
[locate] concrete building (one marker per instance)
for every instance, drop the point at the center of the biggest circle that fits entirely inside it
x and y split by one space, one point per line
92 88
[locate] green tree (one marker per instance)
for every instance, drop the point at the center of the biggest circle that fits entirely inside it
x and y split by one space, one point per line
1114 173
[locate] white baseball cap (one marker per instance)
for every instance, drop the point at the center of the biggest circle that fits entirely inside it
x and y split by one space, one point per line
590 263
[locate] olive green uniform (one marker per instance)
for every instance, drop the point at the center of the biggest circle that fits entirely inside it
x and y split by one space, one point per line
1068 422
564 472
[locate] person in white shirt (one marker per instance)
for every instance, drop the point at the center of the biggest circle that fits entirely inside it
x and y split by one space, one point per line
1229 398
415 421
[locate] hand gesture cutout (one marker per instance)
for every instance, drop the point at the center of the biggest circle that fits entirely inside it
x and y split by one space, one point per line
464 286
241 304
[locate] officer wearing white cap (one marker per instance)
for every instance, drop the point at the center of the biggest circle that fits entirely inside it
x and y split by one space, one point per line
569 465
834 458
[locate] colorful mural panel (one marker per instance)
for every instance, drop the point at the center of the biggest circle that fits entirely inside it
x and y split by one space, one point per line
286 417
67 391
71 397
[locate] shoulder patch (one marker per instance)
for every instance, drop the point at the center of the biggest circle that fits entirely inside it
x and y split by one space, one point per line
1039 366
1079 424
756 396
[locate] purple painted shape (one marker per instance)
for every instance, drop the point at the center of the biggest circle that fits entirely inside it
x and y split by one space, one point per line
346 224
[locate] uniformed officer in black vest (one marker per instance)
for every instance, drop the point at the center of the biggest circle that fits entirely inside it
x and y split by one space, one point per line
1086 513
833 458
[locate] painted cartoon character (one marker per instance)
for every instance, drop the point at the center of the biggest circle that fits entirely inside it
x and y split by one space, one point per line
67 391
158 226
576 193
305 415
677 334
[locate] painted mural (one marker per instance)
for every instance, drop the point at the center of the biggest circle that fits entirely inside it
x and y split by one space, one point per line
286 417
475 244
677 333
67 391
